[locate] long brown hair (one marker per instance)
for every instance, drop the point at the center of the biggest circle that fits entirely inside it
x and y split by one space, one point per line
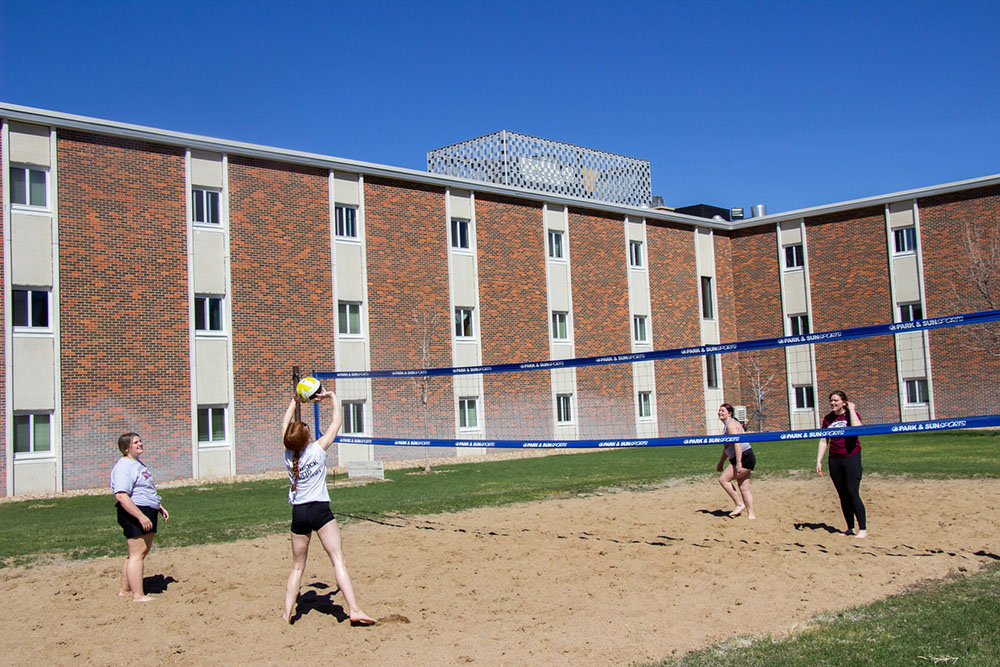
124 441
296 439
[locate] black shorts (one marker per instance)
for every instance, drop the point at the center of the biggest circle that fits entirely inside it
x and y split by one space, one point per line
749 460
131 526
308 517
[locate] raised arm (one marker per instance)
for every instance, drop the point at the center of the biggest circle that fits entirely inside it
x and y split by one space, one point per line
289 415
338 419
852 415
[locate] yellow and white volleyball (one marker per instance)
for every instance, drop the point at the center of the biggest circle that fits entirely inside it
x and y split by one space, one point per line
308 388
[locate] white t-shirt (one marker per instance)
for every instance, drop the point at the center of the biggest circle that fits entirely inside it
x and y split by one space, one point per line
134 478
311 486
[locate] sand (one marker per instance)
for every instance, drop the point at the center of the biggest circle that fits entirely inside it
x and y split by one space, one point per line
605 579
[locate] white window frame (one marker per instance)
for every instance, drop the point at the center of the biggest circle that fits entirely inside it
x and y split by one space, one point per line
354 412
917 388
794 257
555 237
560 325
798 325
344 319
904 240
468 406
805 397
32 451
564 408
211 413
908 311
204 196
205 309
635 254
465 322
345 226
461 234
29 310
28 169
639 332
707 298
645 404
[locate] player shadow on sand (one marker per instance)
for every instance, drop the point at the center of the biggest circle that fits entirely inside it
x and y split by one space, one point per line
157 584
805 525
323 603
719 513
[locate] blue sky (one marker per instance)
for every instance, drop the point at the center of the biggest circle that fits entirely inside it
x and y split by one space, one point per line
789 104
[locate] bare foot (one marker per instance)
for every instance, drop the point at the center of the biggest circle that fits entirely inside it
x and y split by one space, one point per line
286 618
362 618
144 598
736 512
123 594
751 516
861 533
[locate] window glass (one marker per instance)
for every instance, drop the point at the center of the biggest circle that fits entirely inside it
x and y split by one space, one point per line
905 239
804 397
347 221
639 327
459 233
910 311
354 416
37 187
645 404
467 413
559 326
564 413
18 186
22 433
798 325
463 322
30 308
707 308
208 313
635 253
215 314
218 424
794 256
19 308
555 244
711 371
349 318
32 433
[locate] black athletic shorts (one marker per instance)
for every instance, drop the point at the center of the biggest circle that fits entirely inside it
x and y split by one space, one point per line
749 460
131 526
308 517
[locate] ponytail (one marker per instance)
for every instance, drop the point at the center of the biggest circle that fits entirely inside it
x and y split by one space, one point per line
296 440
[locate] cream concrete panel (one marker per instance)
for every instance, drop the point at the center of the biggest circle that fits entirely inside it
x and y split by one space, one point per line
461 204
348 453
706 254
790 233
799 362
907 287
209 255
206 169
634 230
646 427
713 399
709 336
916 413
212 370
554 218
910 354
638 292
795 292
214 462
559 287
466 353
463 280
644 376
351 389
34 373
468 385
34 477
346 189
802 419
31 250
29 144
562 350
352 356
901 214
349 285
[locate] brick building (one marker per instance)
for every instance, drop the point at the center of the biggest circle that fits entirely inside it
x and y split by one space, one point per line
166 283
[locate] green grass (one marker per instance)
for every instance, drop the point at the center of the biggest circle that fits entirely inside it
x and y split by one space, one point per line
84 527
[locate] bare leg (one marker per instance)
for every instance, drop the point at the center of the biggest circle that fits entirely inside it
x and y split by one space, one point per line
744 481
329 535
300 551
726 480
132 571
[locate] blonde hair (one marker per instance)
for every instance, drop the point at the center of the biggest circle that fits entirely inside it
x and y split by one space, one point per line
296 439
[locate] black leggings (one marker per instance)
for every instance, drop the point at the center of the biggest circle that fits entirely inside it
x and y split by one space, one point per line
846 475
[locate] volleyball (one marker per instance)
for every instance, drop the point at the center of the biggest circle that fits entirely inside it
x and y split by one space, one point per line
308 387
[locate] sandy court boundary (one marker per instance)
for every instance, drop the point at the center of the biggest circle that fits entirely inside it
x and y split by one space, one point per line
603 579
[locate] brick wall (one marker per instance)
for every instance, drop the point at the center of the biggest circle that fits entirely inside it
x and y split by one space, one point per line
965 379
123 305
282 302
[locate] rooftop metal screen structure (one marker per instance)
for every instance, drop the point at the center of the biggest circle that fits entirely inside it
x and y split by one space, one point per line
523 161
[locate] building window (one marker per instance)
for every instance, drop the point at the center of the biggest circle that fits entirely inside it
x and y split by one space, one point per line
905 239
712 371
29 187
349 318
564 408
795 257
346 221
30 308
645 404
459 233
707 305
205 206
467 413
910 311
555 244
463 322
354 416
916 391
804 397
208 313
639 328
798 325
559 328
32 433
211 425
635 254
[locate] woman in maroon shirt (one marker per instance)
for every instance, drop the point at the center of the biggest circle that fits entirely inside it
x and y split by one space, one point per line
845 462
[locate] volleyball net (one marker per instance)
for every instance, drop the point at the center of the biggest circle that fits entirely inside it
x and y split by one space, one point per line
920 375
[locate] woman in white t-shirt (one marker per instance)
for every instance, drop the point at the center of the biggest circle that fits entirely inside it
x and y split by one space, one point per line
138 509
310 501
